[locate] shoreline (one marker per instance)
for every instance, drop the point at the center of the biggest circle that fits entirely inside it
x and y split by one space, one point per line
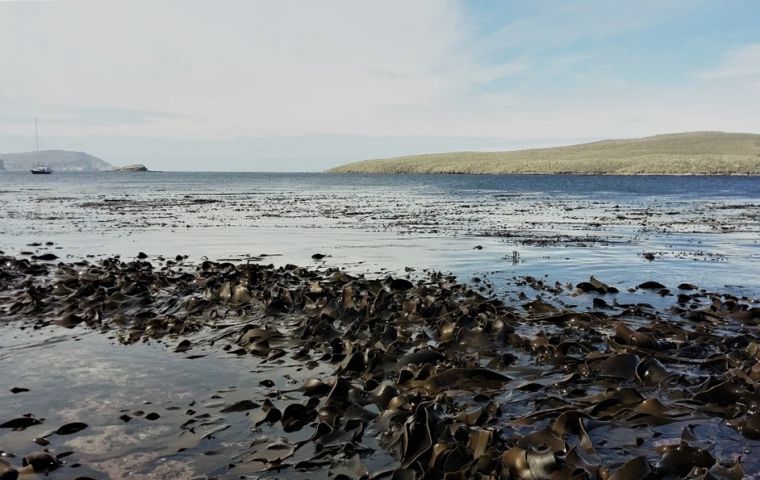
424 357
690 153
352 172
566 174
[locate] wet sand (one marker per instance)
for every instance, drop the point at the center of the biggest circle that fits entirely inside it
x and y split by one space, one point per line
168 368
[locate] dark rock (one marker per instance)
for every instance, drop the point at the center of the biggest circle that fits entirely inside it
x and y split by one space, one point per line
20 423
241 406
41 462
45 257
71 428
401 284
137 167
7 472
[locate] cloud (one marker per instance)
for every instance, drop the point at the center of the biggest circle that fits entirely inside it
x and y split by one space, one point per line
347 69
242 68
236 68
741 62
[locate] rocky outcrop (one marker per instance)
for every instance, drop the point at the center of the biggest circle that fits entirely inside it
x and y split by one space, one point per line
137 167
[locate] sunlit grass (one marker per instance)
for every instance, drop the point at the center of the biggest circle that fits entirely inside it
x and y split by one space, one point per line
705 153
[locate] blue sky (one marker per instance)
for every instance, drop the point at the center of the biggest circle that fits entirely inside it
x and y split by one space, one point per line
297 85
620 43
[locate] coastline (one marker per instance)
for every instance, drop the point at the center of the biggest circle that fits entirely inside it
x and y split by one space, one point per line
568 174
690 153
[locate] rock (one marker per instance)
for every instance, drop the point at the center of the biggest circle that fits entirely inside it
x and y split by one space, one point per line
137 167
401 284
41 462
46 257
71 428
601 304
241 406
183 346
595 285
7 472
20 423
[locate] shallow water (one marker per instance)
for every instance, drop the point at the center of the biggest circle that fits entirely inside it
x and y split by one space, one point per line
701 230
81 375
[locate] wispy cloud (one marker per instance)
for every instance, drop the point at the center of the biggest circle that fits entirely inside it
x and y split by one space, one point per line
521 71
740 62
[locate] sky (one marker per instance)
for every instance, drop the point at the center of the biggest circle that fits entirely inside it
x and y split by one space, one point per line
288 85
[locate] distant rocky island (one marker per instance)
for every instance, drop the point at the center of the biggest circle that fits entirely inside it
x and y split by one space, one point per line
137 167
61 161
692 153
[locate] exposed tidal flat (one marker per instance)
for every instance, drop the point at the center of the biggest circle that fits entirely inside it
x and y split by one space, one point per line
447 324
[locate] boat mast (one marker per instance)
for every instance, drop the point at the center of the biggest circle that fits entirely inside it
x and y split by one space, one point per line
37 141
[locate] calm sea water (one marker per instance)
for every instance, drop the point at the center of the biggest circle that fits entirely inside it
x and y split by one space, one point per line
690 186
703 230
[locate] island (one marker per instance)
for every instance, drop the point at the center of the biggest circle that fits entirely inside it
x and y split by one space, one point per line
62 161
57 160
690 153
137 167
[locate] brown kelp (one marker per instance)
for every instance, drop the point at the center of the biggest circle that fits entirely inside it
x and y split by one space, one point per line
454 383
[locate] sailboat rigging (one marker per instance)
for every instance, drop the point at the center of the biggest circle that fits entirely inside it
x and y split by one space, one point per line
40 169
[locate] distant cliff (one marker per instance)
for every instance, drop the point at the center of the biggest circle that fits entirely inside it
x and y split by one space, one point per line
57 160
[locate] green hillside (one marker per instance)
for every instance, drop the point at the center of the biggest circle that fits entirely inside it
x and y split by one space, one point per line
693 153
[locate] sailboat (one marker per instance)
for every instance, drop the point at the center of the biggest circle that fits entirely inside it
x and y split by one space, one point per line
40 169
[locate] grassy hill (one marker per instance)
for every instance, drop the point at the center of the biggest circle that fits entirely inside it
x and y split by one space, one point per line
693 153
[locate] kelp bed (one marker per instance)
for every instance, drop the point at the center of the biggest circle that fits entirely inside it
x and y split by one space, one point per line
451 383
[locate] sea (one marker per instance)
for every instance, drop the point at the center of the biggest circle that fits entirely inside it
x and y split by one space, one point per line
622 229
495 232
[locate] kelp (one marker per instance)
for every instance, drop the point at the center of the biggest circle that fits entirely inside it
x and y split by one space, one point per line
454 383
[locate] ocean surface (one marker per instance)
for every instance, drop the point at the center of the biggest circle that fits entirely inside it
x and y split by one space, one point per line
491 231
701 230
